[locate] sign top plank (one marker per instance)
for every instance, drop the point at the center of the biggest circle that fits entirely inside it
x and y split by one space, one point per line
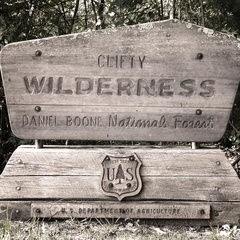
159 81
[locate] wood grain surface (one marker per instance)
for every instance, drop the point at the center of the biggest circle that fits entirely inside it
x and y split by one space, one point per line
161 81
220 212
120 210
173 178
87 188
86 160
179 174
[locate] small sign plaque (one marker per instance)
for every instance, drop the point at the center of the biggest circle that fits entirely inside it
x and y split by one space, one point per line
121 176
120 210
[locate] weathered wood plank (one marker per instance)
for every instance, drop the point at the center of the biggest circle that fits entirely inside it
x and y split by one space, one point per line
220 213
221 87
131 123
68 161
120 210
87 187
143 72
75 173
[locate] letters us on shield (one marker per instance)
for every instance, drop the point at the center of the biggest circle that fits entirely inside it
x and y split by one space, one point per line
121 176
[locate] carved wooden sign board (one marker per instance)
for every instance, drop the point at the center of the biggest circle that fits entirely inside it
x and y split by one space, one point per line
161 81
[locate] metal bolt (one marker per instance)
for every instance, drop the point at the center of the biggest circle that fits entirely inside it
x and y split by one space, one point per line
129 185
107 158
18 188
37 109
198 112
218 163
37 210
19 161
200 56
110 185
38 53
202 211
131 158
17 211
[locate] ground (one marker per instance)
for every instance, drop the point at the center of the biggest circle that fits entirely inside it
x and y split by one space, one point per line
108 229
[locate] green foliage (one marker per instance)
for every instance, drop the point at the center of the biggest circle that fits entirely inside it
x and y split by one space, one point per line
30 19
105 229
223 15
233 130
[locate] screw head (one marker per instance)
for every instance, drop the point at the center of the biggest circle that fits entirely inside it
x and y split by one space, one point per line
37 210
131 158
18 188
218 163
38 53
37 109
17 211
110 185
129 185
107 158
202 211
200 56
198 112
19 161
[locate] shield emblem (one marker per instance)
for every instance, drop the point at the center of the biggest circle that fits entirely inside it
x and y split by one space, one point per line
121 176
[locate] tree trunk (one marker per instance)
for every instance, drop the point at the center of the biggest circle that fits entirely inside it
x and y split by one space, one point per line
162 9
202 13
74 16
174 9
86 15
179 9
101 13
94 12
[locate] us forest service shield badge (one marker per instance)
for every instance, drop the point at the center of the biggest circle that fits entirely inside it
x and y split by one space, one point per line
121 176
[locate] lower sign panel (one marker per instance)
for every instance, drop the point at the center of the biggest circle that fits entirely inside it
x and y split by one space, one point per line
120 210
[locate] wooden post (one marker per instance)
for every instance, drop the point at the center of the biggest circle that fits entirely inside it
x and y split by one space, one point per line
195 145
38 144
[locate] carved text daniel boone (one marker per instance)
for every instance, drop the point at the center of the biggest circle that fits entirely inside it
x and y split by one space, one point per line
164 87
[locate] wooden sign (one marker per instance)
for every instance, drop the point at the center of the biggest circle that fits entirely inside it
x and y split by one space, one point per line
161 81
117 210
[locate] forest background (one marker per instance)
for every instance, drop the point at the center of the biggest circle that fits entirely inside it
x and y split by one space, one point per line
32 19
